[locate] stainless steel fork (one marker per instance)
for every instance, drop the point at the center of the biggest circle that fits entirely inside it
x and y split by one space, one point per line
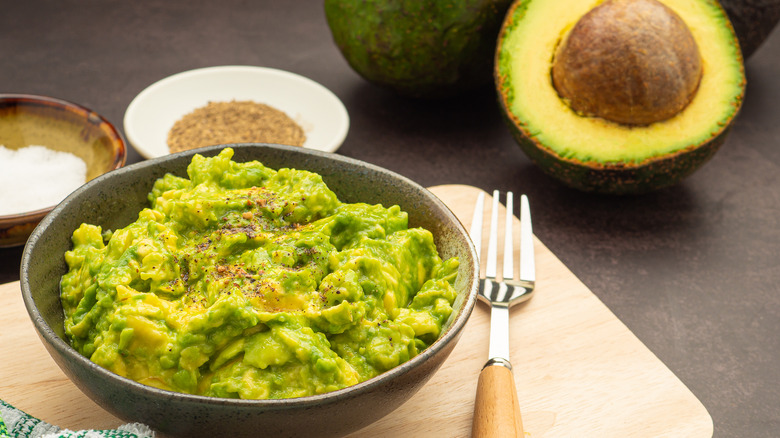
496 408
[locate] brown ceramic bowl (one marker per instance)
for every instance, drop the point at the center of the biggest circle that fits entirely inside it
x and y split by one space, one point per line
113 200
63 126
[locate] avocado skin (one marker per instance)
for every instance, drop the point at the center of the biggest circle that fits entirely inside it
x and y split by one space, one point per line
619 178
753 21
419 48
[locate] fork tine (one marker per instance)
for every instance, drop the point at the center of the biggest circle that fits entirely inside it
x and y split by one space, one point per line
527 263
492 255
508 270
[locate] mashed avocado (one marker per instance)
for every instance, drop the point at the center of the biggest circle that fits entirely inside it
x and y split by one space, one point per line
248 282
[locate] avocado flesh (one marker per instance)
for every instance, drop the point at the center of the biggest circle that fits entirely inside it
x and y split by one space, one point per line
532 32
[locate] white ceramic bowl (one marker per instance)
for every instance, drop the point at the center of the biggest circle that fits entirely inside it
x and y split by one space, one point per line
153 112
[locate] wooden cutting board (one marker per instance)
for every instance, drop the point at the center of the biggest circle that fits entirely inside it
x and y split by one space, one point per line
579 370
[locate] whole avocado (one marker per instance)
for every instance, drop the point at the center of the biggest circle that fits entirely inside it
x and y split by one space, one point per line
753 21
419 48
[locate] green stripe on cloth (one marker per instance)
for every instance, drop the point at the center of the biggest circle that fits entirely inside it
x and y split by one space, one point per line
15 423
3 429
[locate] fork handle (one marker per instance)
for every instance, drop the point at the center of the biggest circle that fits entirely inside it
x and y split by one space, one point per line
496 409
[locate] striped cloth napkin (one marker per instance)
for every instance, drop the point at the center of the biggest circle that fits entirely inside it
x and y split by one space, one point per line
15 423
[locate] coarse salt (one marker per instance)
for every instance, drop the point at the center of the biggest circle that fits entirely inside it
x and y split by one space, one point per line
36 177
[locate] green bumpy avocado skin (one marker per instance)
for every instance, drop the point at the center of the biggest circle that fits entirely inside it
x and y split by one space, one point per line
425 49
247 282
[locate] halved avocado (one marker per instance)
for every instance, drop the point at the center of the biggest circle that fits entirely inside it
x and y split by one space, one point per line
624 57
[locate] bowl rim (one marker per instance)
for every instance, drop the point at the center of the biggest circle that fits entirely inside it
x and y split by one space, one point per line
217 73
35 99
452 332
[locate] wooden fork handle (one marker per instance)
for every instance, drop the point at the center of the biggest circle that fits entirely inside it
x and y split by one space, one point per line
496 409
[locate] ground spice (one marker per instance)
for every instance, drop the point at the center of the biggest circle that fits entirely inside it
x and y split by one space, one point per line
234 122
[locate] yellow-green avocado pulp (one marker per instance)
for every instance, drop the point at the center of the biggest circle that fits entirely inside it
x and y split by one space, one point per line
247 282
594 154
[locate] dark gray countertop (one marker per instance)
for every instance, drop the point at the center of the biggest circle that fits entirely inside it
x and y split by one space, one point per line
691 270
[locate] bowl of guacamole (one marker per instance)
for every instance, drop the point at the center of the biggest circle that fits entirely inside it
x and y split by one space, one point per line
250 287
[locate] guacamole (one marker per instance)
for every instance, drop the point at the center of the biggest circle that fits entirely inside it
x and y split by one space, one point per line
242 281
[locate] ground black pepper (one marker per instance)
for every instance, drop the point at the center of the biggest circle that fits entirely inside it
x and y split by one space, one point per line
234 122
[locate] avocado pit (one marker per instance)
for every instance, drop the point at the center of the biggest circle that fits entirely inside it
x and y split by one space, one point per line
632 62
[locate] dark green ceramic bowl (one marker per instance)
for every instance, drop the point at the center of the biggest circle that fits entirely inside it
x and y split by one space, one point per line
114 200
63 126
